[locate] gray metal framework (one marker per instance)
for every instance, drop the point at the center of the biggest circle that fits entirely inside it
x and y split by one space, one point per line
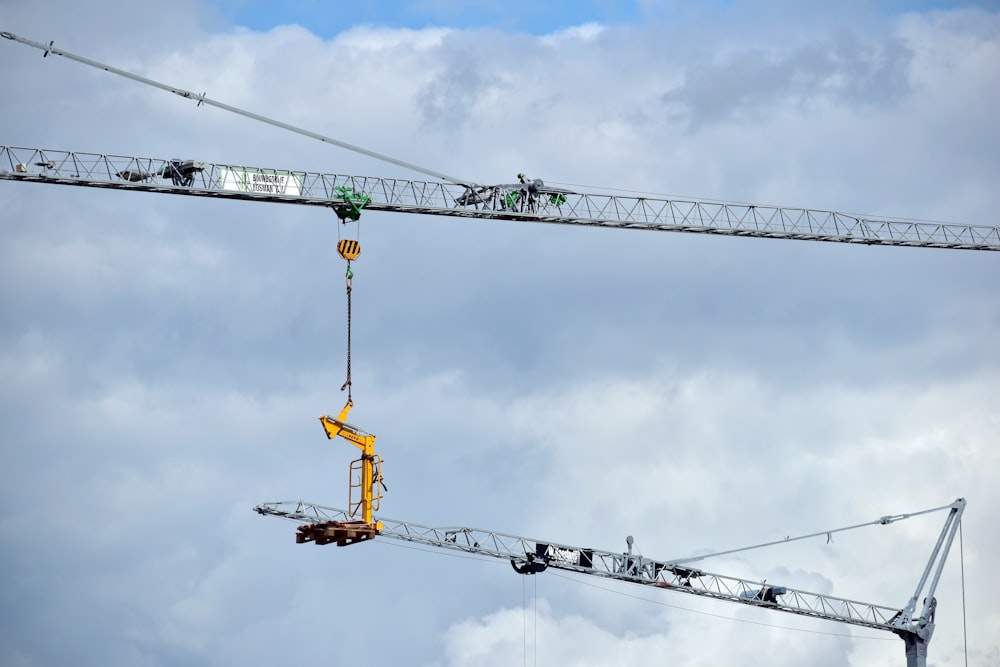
529 556
520 202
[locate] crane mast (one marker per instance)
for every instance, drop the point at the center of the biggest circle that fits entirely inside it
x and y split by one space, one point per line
348 194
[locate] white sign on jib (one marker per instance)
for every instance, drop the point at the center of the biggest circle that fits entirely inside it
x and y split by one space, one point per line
262 182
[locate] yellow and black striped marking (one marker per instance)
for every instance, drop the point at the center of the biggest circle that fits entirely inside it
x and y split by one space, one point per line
349 249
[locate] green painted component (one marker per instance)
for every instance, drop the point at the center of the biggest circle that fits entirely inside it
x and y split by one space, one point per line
350 208
557 200
511 200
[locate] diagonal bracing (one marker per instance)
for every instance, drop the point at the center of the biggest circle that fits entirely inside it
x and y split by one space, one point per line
530 555
204 179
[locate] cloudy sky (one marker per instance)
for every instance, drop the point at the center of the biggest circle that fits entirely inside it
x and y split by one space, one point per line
164 358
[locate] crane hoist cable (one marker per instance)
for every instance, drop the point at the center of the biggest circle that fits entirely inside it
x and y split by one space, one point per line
349 249
347 383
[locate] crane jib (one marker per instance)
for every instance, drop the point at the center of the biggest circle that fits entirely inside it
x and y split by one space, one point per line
530 556
348 195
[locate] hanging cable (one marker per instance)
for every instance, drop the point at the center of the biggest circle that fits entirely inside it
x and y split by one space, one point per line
347 382
534 621
202 99
349 250
524 623
885 520
961 559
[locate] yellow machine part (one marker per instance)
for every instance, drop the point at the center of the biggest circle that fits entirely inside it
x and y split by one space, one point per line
357 480
349 249
368 465
364 477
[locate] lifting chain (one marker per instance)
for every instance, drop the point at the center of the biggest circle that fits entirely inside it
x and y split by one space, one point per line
347 382
349 250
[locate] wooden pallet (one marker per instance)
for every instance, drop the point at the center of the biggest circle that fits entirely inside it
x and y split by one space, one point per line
343 533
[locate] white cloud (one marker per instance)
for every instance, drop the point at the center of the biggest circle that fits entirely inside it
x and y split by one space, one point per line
506 636
585 32
165 358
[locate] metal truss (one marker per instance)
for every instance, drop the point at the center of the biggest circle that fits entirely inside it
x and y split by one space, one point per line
347 194
529 556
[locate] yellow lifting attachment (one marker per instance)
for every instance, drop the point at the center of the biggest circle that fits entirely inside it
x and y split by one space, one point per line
365 477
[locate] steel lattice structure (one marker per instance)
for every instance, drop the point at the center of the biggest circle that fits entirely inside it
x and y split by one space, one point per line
529 556
344 192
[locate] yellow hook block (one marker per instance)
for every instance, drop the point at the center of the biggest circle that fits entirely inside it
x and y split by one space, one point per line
349 249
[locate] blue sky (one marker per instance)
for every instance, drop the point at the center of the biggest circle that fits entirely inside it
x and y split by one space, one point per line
536 18
165 357
328 19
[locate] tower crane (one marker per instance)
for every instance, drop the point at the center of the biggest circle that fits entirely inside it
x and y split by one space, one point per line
527 200
913 622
